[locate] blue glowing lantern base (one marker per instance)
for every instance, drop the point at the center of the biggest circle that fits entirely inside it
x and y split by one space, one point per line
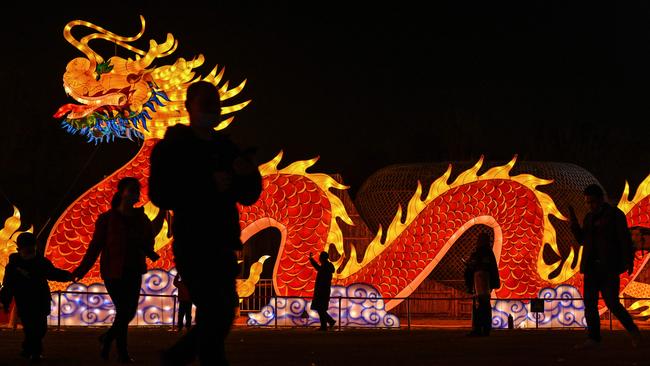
367 311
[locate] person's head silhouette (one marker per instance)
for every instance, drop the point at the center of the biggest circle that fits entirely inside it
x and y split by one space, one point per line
483 240
324 257
128 191
594 197
27 245
203 105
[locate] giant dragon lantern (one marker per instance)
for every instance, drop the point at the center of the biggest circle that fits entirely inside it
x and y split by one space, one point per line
130 98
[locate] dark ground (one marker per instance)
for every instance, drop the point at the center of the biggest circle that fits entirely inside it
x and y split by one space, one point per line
259 347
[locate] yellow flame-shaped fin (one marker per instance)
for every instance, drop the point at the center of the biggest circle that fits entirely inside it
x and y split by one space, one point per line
641 304
8 236
625 204
162 238
245 288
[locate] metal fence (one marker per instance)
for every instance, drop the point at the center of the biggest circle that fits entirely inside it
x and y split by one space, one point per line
260 298
264 310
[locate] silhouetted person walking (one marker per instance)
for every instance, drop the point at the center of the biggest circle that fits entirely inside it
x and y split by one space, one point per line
25 281
201 175
481 277
184 304
123 237
607 252
322 289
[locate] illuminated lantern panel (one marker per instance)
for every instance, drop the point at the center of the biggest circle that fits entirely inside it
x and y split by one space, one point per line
96 308
557 313
301 206
131 99
367 311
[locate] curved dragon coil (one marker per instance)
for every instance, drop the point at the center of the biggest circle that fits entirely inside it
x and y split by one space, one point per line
512 206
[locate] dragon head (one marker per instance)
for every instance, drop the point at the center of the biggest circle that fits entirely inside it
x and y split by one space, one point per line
129 98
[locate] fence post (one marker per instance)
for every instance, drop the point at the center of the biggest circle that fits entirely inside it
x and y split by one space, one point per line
58 315
174 314
275 312
408 312
339 313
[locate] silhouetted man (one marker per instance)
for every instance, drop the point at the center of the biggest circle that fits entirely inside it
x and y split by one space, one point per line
607 253
201 175
322 289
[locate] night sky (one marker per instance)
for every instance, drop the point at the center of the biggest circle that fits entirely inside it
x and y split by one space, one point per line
362 88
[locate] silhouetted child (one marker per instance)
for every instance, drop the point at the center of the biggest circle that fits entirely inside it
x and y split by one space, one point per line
184 304
25 281
322 289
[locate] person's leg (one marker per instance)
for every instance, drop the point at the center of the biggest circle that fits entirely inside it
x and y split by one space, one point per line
128 308
188 315
214 326
40 328
485 314
476 318
29 331
181 315
322 316
590 294
215 299
480 314
330 321
114 289
185 350
610 291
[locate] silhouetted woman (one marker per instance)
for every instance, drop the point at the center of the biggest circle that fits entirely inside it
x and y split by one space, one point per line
481 277
322 289
124 237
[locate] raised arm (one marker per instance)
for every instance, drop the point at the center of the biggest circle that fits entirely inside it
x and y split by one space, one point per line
314 263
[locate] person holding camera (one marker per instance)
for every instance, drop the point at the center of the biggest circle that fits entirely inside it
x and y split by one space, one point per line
201 175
